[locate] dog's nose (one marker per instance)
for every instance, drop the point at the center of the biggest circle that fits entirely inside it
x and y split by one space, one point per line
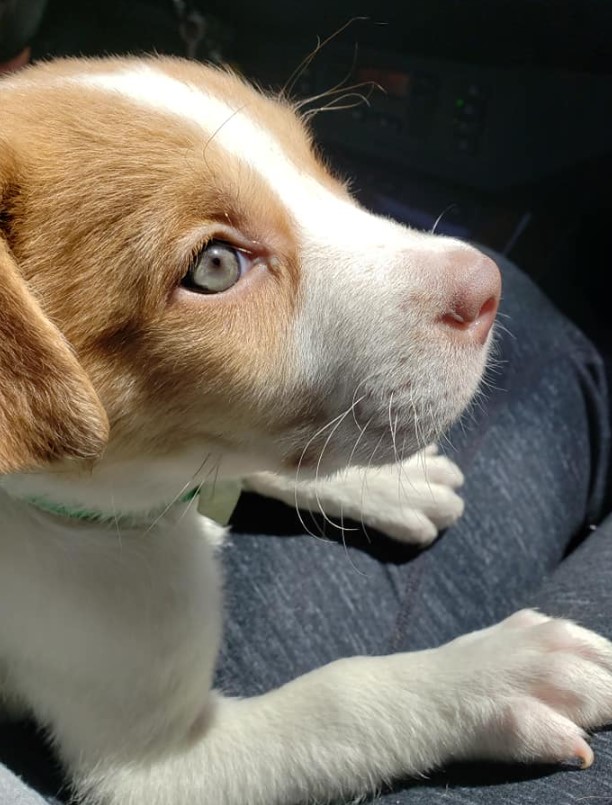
473 295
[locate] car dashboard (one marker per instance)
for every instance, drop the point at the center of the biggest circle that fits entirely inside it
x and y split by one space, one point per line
488 120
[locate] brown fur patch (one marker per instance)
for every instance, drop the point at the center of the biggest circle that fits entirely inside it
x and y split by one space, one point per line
48 408
112 202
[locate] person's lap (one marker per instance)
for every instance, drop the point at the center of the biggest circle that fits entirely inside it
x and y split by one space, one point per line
534 459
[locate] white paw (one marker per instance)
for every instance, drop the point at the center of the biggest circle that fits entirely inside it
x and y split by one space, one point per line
411 501
421 496
531 686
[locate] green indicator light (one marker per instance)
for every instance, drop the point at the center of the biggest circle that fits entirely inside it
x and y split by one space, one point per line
459 103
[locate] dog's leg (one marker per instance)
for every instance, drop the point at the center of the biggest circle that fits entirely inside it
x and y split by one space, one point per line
411 501
123 632
522 690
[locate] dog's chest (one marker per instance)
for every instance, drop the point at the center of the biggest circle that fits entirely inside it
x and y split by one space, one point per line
81 595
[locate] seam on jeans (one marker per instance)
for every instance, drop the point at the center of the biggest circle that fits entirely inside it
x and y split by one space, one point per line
411 587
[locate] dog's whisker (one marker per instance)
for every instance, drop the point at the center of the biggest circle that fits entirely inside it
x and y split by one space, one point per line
391 431
354 401
401 470
184 489
348 555
367 469
316 491
345 546
337 106
306 62
357 441
218 129
420 442
401 491
441 216
193 502
329 424
340 86
335 91
321 535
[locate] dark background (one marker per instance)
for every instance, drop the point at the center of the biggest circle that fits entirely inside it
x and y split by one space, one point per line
497 114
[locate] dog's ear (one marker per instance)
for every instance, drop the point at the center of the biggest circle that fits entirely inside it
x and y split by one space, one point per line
49 409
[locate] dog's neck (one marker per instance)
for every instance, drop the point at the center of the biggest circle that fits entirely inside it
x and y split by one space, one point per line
135 491
121 518
216 500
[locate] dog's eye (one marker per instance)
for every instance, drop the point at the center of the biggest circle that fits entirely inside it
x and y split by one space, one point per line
216 269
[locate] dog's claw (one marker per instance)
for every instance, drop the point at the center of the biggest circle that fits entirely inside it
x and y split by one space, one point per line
584 753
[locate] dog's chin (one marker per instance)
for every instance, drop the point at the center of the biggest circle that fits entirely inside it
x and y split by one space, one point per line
388 427
391 415
386 441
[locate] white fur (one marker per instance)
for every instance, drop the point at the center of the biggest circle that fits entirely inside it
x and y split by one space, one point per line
314 206
110 635
349 259
121 640
411 501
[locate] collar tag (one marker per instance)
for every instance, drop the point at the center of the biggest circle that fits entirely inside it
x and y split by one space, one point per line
217 501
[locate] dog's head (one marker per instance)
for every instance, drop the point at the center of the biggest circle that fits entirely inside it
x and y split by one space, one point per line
181 277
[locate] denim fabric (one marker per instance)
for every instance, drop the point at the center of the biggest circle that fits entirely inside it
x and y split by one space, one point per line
579 589
14 792
535 452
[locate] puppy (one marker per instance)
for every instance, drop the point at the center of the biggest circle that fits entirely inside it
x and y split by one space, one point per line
185 290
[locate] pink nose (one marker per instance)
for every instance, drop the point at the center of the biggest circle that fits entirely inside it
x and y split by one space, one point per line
473 298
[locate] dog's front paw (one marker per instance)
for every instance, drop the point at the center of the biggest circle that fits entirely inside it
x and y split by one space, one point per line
416 499
531 687
411 501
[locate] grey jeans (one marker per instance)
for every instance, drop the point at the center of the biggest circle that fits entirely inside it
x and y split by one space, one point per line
535 453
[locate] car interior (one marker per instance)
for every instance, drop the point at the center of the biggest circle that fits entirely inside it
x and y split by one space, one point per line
487 120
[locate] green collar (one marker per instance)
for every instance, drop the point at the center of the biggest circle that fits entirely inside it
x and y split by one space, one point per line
216 501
